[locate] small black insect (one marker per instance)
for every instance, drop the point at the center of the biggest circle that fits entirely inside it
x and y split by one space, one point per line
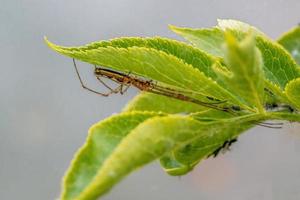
236 108
271 106
279 107
225 147
288 107
212 98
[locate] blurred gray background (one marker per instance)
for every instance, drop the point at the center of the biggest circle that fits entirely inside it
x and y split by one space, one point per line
45 115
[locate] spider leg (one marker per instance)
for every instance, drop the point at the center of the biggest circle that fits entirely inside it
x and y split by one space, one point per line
107 86
84 86
124 89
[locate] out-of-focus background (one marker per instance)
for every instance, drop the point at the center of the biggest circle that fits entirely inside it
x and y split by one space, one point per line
45 115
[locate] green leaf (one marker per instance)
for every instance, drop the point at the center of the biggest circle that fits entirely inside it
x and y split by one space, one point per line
279 67
152 102
209 40
239 26
145 143
153 64
103 138
245 63
291 42
169 162
183 51
182 160
292 91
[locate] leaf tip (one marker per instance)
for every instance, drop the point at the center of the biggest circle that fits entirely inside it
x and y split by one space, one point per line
219 21
50 44
175 29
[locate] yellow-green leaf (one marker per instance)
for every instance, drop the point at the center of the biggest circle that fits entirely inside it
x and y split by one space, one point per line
279 67
292 91
182 160
153 64
102 140
245 63
208 39
239 26
291 42
145 143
